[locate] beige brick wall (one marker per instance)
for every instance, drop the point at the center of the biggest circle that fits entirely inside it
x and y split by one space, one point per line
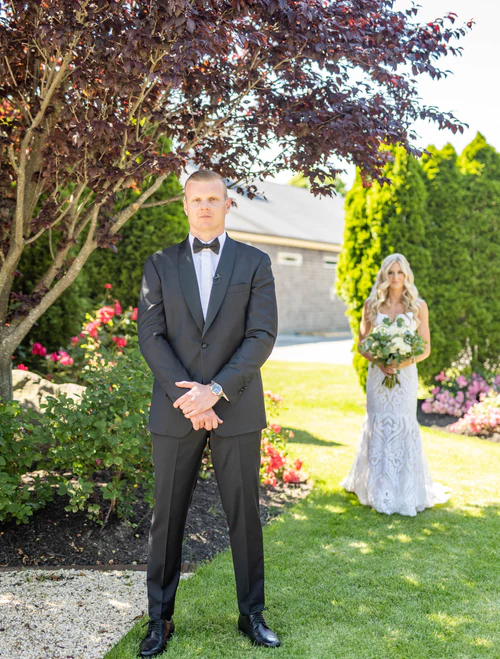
307 301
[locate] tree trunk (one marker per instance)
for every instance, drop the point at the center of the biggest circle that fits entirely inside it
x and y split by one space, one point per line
6 375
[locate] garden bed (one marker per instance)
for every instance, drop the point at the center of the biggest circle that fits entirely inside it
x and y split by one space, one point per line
55 537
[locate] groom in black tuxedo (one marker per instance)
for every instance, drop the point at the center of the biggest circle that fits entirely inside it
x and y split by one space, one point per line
207 323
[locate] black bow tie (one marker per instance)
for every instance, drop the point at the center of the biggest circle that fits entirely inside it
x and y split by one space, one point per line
198 246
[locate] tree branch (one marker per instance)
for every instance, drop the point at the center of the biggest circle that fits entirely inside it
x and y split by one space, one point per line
165 202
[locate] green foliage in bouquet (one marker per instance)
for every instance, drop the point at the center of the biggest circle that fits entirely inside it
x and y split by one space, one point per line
101 446
22 491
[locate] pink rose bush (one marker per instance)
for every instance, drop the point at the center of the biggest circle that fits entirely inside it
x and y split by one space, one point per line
457 395
275 461
482 419
109 327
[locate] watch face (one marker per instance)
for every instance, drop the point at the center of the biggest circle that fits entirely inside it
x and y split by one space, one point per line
216 389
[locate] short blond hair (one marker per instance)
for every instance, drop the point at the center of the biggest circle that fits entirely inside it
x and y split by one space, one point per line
206 175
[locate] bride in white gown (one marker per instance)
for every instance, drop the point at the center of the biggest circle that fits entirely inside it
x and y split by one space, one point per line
390 471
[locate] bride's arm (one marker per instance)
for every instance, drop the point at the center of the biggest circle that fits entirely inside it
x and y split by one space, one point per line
423 330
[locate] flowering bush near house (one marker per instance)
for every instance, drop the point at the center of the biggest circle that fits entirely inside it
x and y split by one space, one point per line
456 395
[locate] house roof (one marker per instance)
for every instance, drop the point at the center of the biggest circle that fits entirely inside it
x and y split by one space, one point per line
286 211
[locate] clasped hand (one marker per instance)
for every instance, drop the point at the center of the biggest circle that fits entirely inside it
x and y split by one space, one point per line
391 369
196 405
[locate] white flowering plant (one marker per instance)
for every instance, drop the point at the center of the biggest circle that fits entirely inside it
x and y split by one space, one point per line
391 344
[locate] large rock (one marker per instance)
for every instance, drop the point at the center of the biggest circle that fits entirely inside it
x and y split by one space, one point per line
31 390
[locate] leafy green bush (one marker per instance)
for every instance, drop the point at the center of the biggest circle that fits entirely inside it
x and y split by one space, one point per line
101 445
21 492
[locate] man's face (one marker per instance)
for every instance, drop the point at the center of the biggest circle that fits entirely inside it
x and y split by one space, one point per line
206 207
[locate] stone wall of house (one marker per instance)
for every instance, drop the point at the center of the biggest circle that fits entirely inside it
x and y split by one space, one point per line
305 288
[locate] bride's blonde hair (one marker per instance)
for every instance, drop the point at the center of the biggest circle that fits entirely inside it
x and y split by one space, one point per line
380 290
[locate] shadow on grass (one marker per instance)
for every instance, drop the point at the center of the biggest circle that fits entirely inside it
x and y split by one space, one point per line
304 437
363 584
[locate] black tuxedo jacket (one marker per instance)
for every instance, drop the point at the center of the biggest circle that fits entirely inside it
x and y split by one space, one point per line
229 347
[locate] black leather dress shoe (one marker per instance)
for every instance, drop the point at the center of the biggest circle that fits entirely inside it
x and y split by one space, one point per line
157 636
255 627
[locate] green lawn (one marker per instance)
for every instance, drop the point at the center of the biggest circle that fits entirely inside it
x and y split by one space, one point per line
344 581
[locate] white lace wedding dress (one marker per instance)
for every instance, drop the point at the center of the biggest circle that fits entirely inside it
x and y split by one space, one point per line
390 471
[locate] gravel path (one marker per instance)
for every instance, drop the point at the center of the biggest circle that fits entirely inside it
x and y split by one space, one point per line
67 614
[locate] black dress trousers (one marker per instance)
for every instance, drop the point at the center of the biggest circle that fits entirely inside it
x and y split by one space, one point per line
177 462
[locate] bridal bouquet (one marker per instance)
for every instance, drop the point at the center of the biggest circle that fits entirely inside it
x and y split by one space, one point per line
392 344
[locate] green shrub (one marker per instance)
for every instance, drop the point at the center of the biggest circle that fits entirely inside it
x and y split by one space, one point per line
102 449
21 492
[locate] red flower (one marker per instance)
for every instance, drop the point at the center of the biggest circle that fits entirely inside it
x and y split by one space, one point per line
22 367
291 476
298 464
276 428
38 349
270 480
120 342
55 357
107 286
118 308
75 340
133 315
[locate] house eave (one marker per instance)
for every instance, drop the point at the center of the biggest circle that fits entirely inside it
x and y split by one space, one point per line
246 236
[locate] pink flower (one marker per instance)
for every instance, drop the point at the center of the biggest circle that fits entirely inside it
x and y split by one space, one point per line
54 356
276 428
75 340
120 342
98 462
298 464
462 381
22 367
118 308
104 314
65 359
134 314
38 349
107 286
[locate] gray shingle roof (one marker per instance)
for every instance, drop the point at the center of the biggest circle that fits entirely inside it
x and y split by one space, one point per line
288 212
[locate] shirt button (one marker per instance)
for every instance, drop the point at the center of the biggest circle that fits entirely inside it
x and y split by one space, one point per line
204 345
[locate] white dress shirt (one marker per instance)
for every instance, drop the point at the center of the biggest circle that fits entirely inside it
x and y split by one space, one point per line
205 264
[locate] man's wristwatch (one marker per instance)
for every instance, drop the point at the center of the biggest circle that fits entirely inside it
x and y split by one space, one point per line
217 390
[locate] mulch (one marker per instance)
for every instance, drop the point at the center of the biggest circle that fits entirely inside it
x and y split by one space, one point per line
57 538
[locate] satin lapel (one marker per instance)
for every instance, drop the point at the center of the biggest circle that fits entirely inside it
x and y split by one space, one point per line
189 283
224 272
